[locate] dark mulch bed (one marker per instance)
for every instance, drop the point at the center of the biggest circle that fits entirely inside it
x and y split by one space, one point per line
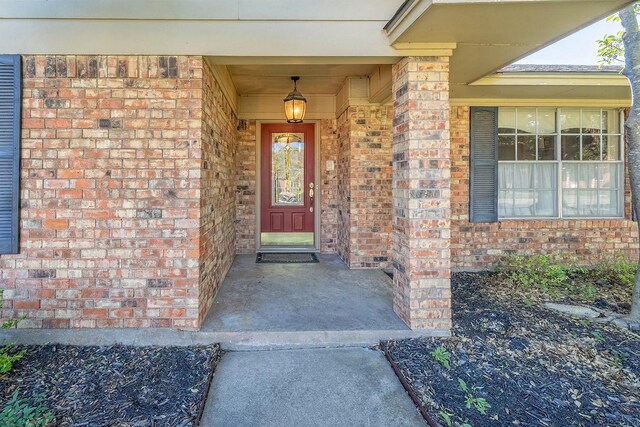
533 366
116 385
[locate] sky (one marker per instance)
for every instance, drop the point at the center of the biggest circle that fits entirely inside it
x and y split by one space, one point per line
577 49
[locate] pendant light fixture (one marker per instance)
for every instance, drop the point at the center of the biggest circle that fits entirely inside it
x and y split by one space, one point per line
295 104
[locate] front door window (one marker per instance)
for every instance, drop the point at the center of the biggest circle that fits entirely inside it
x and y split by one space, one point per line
287 169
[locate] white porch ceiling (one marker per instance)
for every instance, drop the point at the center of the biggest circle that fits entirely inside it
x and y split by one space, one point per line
275 79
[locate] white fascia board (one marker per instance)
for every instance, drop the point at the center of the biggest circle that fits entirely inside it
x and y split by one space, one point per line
318 10
209 38
540 102
552 79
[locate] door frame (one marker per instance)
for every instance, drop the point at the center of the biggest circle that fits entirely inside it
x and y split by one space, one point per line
316 201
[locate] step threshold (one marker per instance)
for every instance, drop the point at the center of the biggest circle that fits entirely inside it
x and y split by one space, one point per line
229 340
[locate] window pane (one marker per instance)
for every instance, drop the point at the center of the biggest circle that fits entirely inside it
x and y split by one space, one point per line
591 121
607 176
545 203
523 177
505 204
609 203
610 147
570 121
570 147
570 202
506 147
506 120
587 176
527 120
527 189
505 176
287 169
587 203
610 121
590 147
591 189
524 203
570 175
526 147
547 147
545 185
545 176
546 120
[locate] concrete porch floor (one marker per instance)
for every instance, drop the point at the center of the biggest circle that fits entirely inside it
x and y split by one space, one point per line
304 305
302 297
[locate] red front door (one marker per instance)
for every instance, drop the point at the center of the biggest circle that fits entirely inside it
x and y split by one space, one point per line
287 181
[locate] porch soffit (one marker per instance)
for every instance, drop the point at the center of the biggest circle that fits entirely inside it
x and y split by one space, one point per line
490 34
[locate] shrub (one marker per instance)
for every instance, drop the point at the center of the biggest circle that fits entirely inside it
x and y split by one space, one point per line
546 273
617 270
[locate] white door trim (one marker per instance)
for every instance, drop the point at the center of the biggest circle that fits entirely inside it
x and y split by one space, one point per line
317 180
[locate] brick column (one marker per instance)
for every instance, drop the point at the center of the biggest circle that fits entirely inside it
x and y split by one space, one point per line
422 193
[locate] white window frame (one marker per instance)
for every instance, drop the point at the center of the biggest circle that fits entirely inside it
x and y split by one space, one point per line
559 162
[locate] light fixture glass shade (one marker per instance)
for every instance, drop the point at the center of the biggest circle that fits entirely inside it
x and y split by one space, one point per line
295 105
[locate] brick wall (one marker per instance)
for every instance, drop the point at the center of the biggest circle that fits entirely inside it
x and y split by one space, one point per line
364 185
478 245
110 193
218 190
246 187
343 190
329 186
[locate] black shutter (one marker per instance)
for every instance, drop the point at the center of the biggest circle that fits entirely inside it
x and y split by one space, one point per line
484 164
10 100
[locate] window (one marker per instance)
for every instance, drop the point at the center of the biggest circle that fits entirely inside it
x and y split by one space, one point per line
559 162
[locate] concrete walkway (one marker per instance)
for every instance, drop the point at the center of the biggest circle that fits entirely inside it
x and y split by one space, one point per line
319 387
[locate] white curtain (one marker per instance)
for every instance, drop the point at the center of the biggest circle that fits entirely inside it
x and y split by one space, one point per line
527 189
591 189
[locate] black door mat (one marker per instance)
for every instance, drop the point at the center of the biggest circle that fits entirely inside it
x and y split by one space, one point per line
286 258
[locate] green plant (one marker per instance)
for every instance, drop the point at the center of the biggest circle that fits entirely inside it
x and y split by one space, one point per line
446 417
619 358
479 403
546 273
617 270
9 323
442 356
7 358
587 291
598 336
19 412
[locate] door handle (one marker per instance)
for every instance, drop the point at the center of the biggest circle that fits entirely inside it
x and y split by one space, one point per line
311 193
